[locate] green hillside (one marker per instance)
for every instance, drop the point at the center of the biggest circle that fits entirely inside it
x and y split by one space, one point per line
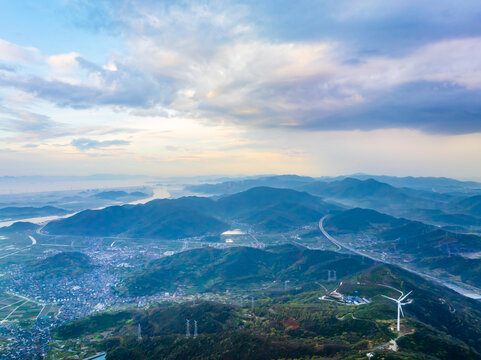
357 219
472 205
282 217
19 226
164 218
440 324
62 264
210 269
265 209
468 270
412 237
275 210
259 198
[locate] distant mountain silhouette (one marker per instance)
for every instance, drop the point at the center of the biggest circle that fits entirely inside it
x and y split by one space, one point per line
350 188
118 194
435 184
234 186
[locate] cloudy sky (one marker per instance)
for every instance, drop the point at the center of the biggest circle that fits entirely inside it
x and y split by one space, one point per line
229 87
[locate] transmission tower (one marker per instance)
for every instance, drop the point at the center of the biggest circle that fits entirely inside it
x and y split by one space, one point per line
139 333
195 328
187 331
331 275
252 302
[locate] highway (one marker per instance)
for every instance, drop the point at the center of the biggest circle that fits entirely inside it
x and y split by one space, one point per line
329 237
463 291
341 246
32 239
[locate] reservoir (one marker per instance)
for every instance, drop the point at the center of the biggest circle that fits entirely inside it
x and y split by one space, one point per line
99 356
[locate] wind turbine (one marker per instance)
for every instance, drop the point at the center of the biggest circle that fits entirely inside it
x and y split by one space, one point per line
400 304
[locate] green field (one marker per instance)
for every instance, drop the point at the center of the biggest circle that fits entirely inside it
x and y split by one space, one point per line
7 304
16 309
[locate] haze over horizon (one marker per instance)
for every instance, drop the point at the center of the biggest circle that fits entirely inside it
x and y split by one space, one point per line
221 87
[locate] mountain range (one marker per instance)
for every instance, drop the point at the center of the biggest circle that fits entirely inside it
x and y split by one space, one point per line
263 208
458 205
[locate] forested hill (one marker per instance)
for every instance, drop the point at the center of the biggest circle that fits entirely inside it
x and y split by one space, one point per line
263 208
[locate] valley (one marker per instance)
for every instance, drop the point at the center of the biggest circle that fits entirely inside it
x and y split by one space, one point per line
268 255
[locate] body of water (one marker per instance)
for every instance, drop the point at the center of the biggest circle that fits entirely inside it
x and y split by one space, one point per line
158 193
101 356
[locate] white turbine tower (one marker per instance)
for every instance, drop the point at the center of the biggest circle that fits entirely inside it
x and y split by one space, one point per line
400 304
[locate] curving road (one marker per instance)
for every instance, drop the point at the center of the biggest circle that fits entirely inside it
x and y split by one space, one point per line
32 239
463 291
329 237
340 246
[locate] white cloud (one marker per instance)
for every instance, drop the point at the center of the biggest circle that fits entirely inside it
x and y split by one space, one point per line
16 53
64 63
456 61
211 62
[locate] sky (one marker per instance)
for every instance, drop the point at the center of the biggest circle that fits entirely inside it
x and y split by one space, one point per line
185 88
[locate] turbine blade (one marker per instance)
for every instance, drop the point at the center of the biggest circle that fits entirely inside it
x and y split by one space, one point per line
401 308
405 296
390 298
